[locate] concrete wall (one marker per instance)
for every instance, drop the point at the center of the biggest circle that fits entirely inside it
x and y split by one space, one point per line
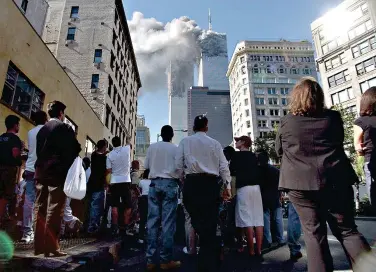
36 13
28 52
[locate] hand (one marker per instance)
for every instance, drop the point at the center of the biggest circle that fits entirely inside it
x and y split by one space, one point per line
226 195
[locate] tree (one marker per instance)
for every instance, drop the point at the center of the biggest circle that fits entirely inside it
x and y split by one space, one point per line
268 144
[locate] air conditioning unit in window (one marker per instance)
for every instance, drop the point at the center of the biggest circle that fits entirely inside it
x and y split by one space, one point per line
98 65
75 19
95 90
67 42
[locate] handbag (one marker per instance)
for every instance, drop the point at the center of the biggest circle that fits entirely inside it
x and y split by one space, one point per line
75 182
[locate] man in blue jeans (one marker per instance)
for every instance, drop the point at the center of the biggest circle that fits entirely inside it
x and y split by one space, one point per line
40 118
162 200
294 231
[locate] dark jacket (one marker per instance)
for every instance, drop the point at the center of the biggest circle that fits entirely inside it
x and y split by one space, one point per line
269 180
244 167
312 152
57 148
97 179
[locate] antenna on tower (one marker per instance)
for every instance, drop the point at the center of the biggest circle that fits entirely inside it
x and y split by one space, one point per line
210 21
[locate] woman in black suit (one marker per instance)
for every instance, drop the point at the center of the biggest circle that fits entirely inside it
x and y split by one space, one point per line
318 175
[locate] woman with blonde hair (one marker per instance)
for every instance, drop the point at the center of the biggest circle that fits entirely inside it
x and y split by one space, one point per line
318 175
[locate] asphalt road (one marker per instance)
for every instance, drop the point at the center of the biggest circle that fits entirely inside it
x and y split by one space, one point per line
133 257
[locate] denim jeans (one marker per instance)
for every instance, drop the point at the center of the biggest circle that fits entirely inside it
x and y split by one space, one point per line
96 204
294 230
28 208
273 218
163 203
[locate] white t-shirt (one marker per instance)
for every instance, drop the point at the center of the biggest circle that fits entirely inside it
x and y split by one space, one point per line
32 145
144 186
119 160
160 160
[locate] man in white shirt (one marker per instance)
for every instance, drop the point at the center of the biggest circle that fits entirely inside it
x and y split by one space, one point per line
204 163
40 119
118 165
162 200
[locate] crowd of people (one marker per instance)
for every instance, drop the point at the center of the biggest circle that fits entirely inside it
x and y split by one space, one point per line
230 198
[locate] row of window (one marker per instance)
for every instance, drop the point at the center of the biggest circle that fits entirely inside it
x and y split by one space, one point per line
280 70
271 101
272 112
366 66
114 125
342 96
339 78
277 58
265 123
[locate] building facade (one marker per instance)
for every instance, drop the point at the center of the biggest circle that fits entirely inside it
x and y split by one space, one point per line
35 11
345 41
30 78
142 139
261 75
179 79
216 105
92 42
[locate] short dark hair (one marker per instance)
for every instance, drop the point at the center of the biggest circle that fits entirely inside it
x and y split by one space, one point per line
145 175
200 123
368 102
40 118
262 156
11 121
167 133
228 151
101 144
116 141
54 108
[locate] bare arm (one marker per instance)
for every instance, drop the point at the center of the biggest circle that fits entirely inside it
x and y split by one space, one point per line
179 159
358 140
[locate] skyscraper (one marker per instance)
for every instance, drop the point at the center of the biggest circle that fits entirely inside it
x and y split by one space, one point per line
91 40
345 44
142 139
216 105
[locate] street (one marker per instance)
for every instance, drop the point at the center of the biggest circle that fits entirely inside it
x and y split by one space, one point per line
133 258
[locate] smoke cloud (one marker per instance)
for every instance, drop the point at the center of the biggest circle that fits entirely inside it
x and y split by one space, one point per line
157 45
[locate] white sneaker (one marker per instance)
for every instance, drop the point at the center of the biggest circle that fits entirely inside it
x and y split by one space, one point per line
28 238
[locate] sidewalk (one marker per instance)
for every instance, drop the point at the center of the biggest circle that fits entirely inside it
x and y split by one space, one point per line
83 254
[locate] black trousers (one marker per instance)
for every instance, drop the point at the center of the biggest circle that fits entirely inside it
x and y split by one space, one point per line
48 215
143 209
201 199
335 205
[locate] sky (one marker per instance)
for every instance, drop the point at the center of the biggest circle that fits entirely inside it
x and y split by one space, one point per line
239 19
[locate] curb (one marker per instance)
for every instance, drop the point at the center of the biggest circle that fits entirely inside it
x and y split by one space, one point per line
365 218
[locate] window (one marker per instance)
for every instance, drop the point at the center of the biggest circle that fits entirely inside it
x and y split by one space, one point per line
339 78
24 5
268 70
246 113
246 102
243 70
284 91
74 12
306 71
274 112
360 29
110 83
98 56
275 123
263 134
242 59
364 86
281 69
71 33
294 70
272 91
245 91
244 80
273 101
112 123
285 112
366 66
21 94
260 101
335 62
248 124
261 123
259 91
284 101
342 96
94 81
255 69
260 112
108 112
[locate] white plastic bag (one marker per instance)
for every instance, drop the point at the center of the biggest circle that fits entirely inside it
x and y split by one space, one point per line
75 183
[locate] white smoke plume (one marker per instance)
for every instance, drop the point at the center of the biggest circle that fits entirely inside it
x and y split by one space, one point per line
157 45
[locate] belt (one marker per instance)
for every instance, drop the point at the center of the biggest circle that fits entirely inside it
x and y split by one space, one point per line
201 175
163 178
